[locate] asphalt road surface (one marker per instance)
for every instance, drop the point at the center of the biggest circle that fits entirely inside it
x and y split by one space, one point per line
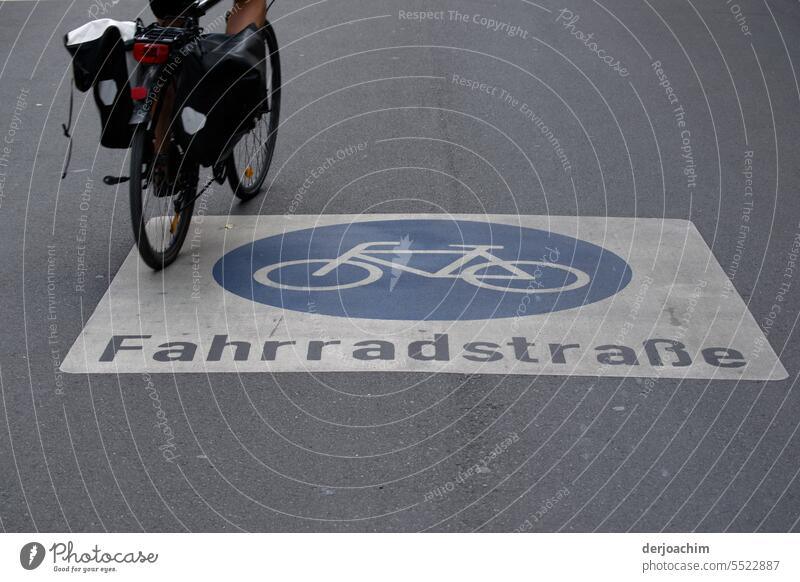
621 108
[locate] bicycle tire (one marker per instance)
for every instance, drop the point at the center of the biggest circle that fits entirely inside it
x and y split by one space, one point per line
155 258
244 187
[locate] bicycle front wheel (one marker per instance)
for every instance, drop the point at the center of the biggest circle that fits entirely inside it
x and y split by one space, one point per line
251 158
160 222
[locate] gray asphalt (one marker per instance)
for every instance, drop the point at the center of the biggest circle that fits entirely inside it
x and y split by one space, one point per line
294 452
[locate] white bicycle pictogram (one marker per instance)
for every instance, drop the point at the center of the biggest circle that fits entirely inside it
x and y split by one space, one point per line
367 257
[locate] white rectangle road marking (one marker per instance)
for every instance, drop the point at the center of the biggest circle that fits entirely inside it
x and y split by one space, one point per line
489 294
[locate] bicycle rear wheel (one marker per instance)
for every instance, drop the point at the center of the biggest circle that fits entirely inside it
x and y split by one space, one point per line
249 163
160 219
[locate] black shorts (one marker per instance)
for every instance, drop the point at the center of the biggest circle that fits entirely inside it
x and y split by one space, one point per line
164 8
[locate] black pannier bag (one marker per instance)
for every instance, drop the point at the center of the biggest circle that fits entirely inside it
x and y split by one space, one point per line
220 90
101 61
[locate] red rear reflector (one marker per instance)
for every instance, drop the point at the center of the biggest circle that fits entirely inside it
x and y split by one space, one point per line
150 54
138 93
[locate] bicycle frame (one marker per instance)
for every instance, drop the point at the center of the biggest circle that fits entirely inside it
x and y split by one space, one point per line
363 252
464 267
201 8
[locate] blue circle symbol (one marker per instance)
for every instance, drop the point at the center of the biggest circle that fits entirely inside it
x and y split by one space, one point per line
422 269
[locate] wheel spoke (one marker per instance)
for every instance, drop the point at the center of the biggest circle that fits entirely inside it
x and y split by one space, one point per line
159 223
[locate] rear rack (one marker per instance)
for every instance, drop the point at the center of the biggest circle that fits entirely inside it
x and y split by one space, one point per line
155 33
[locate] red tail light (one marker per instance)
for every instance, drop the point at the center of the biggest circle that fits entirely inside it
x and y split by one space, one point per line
138 93
150 54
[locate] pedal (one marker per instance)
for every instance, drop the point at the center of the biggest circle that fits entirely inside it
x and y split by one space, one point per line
114 180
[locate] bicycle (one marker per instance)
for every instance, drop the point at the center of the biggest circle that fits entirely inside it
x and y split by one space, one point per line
464 268
162 206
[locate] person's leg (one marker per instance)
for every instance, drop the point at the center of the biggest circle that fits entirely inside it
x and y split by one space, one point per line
245 13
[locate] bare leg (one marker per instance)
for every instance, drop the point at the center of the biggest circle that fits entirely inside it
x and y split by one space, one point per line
246 12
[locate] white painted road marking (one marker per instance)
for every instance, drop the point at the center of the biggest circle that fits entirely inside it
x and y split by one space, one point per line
425 293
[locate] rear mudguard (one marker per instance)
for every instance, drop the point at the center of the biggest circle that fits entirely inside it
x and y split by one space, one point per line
152 79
